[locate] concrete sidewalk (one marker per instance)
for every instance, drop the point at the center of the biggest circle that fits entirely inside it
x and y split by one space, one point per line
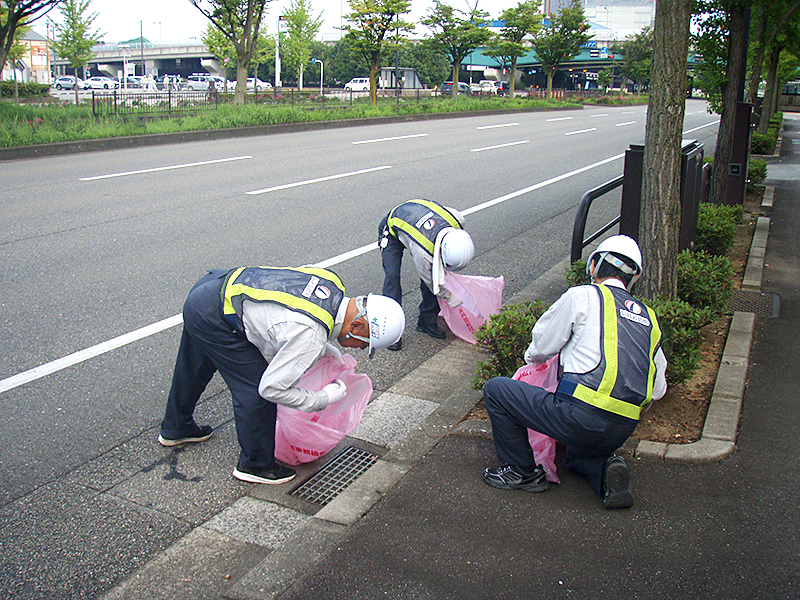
712 519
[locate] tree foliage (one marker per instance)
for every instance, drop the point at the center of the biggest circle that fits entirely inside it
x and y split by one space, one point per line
302 27
455 33
521 21
374 29
224 51
239 21
637 54
14 13
561 40
74 36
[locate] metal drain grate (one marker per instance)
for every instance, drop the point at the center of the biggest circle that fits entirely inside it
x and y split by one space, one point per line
336 475
763 305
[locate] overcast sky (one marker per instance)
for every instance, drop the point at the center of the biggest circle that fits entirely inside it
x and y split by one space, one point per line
173 20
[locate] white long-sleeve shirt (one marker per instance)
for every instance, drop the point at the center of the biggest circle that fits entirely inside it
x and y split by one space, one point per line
291 343
430 268
572 327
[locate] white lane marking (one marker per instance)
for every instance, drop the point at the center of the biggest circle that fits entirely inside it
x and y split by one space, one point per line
600 115
86 354
626 123
389 139
496 126
537 186
318 180
581 131
701 127
169 168
560 119
500 146
122 340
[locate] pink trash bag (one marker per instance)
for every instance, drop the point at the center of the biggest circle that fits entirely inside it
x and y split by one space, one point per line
302 437
482 296
545 376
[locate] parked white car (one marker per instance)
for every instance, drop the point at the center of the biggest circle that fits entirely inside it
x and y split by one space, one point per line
357 84
259 85
102 83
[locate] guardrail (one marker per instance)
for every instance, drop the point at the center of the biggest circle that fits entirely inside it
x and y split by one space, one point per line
579 228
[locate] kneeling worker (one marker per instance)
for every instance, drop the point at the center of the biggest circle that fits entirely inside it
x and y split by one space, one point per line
435 236
613 365
262 328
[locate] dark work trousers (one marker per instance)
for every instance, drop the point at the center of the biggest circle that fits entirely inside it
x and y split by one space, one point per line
515 406
392 260
209 344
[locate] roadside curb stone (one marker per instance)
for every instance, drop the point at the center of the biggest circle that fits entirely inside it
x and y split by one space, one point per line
718 439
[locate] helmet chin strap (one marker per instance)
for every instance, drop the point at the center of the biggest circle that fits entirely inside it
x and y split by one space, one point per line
361 305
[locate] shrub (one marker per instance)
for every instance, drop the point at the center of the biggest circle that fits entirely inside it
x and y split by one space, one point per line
756 173
506 335
762 143
704 281
716 227
576 273
24 90
680 328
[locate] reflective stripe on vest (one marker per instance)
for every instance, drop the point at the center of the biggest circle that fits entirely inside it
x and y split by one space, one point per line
603 397
308 290
422 220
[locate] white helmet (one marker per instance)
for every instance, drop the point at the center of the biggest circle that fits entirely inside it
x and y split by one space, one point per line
621 245
457 249
385 318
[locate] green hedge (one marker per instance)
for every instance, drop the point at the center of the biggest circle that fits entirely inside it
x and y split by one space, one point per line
24 90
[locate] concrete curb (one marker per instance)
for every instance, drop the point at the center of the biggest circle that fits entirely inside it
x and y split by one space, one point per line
718 439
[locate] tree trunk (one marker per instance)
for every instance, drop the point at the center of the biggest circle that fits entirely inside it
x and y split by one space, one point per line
241 84
760 28
456 72
373 82
550 74
730 95
771 90
511 83
659 219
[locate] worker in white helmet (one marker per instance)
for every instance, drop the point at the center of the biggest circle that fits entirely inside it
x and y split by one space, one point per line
262 328
610 355
435 236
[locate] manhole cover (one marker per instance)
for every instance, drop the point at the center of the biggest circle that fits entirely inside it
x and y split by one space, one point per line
763 305
336 475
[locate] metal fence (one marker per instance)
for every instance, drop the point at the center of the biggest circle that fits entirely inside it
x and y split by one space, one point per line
148 103
169 102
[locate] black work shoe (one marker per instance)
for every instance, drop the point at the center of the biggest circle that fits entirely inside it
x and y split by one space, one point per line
509 477
432 330
200 434
617 484
275 475
398 345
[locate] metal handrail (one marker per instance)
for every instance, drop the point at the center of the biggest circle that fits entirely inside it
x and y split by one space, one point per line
579 228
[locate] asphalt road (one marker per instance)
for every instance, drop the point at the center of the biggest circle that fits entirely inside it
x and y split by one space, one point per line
99 245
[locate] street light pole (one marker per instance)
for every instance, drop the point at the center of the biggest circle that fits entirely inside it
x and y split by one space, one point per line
321 71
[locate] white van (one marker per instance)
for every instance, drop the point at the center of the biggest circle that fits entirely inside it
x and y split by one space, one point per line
357 84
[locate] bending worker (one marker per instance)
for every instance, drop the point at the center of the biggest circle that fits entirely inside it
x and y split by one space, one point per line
262 328
613 365
435 237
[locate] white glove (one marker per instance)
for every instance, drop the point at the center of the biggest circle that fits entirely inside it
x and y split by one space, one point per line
333 352
335 391
454 301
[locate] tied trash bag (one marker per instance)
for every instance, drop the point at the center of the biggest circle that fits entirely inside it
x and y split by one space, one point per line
302 437
482 296
545 376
